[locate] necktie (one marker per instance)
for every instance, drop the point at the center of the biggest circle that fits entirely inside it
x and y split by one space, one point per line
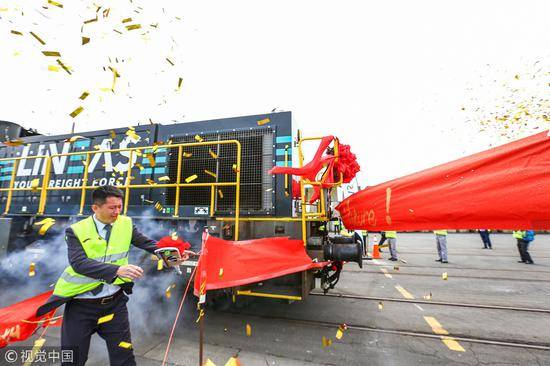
108 232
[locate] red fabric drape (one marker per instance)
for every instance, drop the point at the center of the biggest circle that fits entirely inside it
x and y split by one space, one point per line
235 263
19 321
506 187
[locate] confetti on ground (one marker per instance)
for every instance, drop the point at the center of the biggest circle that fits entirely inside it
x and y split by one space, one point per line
32 268
248 330
396 268
340 332
380 305
37 38
326 342
263 121
428 297
76 112
191 178
84 95
444 276
105 319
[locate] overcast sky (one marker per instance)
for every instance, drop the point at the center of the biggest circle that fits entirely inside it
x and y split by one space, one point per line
408 84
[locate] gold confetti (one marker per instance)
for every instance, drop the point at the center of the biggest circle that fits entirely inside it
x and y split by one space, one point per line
76 112
220 193
16 32
84 95
191 178
380 305
151 159
444 276
180 81
32 268
234 167
91 20
106 12
140 167
85 40
164 178
14 142
248 330
212 154
55 3
155 148
198 138
63 66
340 332
150 181
326 342
160 265
211 173
263 121
428 297
37 38
105 319
220 273
97 147
187 155
158 207
133 135
516 76
169 61
126 20
35 183
51 53
396 268
133 26
168 291
125 345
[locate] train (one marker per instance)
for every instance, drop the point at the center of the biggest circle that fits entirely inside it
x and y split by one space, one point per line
184 177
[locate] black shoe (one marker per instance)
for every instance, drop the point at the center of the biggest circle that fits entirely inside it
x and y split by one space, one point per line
521 261
392 259
438 260
444 262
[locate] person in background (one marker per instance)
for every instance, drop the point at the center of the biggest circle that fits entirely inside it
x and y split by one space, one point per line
392 241
441 239
524 238
382 240
484 233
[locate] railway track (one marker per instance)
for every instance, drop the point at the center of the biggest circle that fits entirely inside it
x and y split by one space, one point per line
429 302
364 328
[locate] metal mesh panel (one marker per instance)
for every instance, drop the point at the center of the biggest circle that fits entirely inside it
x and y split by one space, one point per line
256 160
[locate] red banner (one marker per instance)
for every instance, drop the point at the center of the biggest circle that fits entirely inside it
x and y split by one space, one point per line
19 321
236 263
502 188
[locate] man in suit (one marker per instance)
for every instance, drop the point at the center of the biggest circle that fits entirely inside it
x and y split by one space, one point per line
93 287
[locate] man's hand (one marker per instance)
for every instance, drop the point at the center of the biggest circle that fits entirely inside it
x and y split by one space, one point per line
130 271
182 258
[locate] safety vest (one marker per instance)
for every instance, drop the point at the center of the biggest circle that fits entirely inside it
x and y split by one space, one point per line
71 283
518 234
440 232
391 234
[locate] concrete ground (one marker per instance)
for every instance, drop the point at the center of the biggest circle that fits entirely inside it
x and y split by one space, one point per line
475 276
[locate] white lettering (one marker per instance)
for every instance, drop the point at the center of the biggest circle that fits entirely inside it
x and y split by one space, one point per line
105 144
58 162
37 161
123 167
21 170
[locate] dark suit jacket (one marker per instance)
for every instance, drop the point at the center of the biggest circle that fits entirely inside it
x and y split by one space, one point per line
105 272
